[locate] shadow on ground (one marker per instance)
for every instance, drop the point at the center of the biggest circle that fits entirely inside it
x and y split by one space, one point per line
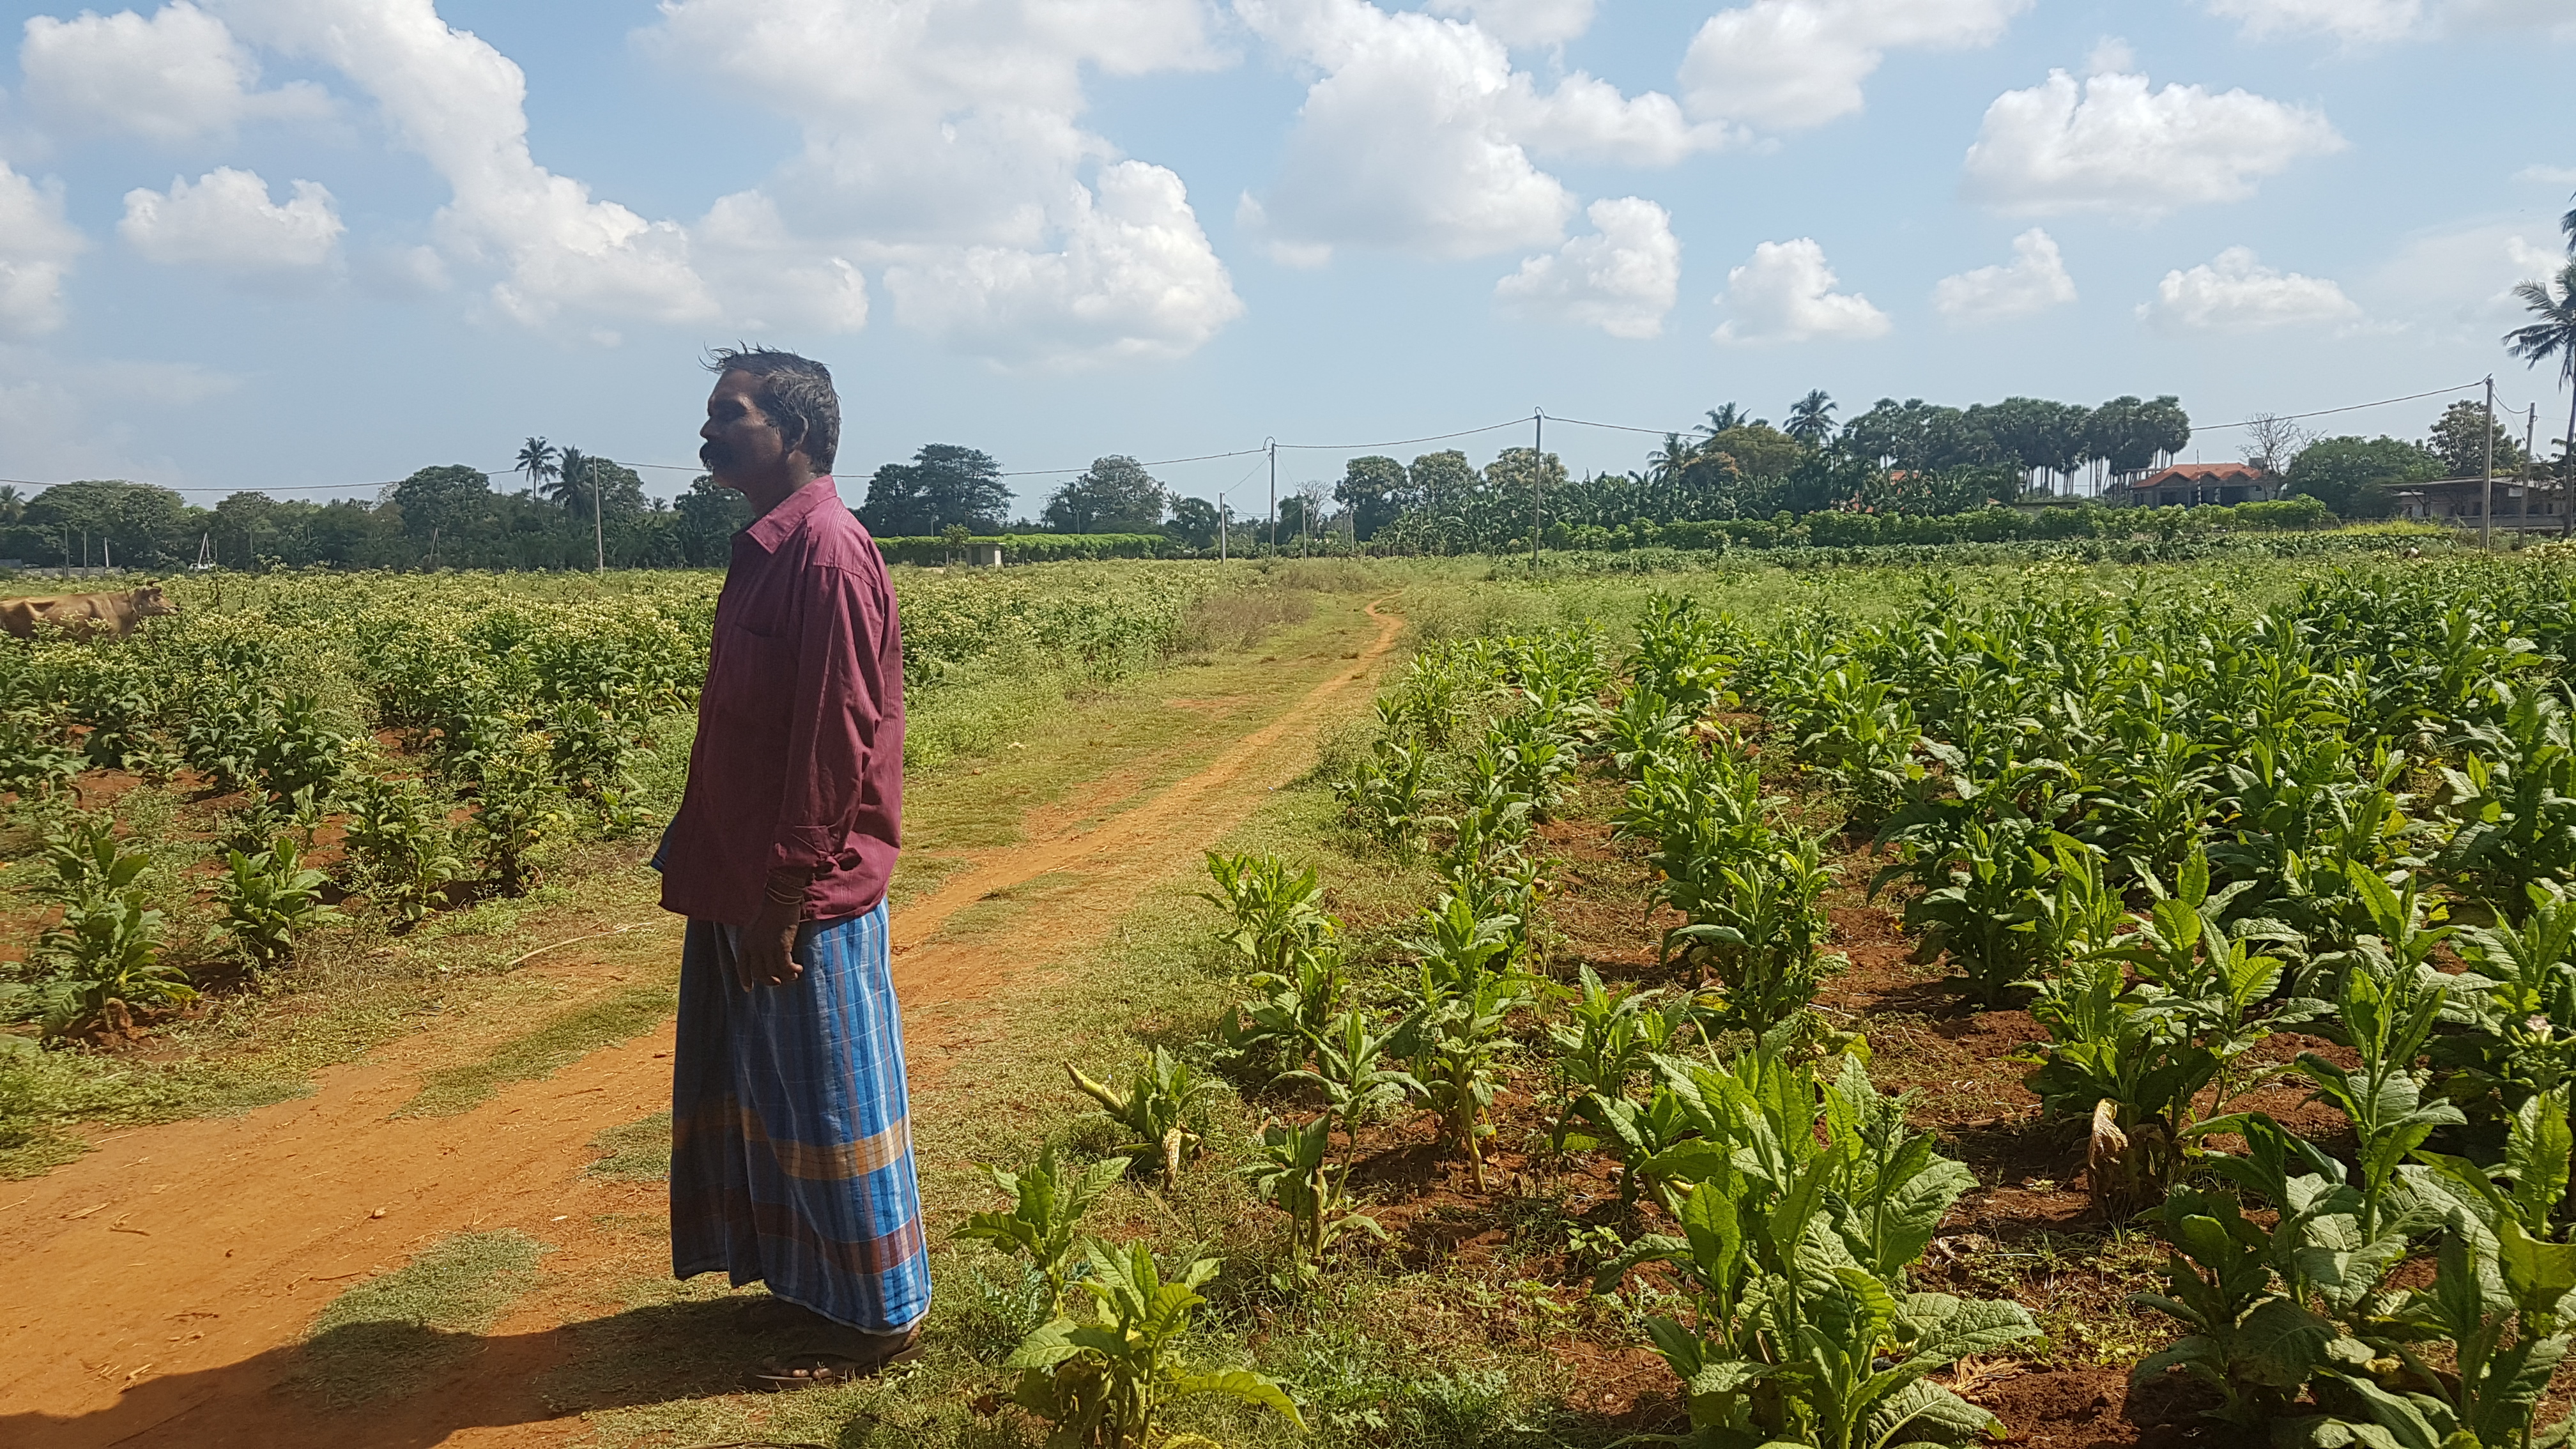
646 1355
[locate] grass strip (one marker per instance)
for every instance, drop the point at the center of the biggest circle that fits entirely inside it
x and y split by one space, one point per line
559 1043
637 1152
390 1335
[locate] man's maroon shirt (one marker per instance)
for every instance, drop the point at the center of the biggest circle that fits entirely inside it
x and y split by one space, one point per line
799 755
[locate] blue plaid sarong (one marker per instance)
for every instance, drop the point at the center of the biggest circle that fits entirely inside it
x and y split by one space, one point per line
791 1142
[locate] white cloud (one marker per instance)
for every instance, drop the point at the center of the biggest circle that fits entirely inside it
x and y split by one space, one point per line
36 250
177 77
1522 22
2236 293
2547 175
2111 144
1419 135
2459 279
225 221
2032 282
2359 21
2369 22
1134 279
942 140
1785 64
1786 294
2110 55
461 104
1622 279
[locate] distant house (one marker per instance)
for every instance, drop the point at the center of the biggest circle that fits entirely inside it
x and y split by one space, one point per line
2185 484
2459 500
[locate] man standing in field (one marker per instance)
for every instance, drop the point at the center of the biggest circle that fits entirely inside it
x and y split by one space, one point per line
791 1153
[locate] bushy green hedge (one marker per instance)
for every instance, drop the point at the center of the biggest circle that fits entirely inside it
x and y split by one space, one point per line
1837 529
1020 548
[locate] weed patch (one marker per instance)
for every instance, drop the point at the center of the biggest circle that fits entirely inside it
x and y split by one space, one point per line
391 1335
557 1044
637 1152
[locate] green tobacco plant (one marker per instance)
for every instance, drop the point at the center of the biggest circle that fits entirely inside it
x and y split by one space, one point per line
1756 927
1457 1041
2252 1343
1276 910
1294 1173
1389 793
1987 907
1103 1379
1047 1204
1643 727
1352 1074
1681 655
2514 798
1158 1108
401 845
33 757
1794 1250
2128 1065
516 805
269 899
1607 1040
104 956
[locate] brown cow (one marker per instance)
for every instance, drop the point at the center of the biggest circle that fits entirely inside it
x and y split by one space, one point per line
82 616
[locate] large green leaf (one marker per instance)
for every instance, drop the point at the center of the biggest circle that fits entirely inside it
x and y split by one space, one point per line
1243 1384
1926 1413
2538 1274
2280 1344
1938 1329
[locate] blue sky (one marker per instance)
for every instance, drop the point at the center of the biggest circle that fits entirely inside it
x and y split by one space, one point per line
312 245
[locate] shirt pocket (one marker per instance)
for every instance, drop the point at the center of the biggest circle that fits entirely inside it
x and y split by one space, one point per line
752 677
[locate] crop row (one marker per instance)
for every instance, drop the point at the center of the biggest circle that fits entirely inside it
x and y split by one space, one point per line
2168 829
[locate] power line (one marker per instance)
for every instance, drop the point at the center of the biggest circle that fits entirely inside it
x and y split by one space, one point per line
2352 408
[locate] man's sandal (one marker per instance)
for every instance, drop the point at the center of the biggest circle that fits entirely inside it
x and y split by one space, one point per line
814 1370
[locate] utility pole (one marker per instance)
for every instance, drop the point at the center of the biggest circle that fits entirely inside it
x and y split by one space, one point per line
2530 430
1538 478
598 515
1220 528
1271 446
2486 498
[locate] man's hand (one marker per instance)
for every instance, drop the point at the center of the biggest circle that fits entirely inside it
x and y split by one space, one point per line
767 956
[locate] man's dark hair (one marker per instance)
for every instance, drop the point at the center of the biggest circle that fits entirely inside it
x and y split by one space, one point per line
797 394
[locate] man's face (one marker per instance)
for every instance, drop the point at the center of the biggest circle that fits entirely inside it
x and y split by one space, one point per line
742 445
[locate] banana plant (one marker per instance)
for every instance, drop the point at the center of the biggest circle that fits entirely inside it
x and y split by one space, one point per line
1048 1202
1158 1109
1104 1379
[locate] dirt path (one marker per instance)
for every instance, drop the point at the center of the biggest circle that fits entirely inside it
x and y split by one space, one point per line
155 1290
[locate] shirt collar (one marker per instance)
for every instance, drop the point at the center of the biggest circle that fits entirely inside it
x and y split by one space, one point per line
771 529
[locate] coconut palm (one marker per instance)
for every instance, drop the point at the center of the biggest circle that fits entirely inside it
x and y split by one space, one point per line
537 460
1721 418
568 486
2552 334
1811 418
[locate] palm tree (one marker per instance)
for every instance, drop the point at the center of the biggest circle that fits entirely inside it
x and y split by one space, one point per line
1721 418
2553 334
1811 418
568 484
537 460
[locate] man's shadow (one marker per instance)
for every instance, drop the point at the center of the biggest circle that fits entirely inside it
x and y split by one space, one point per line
427 1384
